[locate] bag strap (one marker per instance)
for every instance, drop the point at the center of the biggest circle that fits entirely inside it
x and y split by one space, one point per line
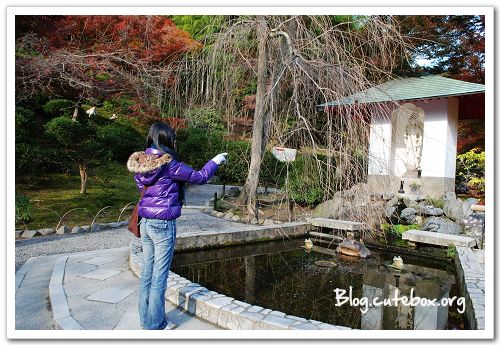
142 192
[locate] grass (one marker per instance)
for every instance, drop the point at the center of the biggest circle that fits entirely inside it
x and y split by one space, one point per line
435 202
53 195
396 230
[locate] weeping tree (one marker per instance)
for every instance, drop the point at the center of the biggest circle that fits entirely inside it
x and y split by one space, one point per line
298 62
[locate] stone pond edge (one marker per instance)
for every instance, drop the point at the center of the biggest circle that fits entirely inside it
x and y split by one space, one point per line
229 313
470 278
63 320
224 311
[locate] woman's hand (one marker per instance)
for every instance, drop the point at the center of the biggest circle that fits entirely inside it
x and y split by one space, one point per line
220 158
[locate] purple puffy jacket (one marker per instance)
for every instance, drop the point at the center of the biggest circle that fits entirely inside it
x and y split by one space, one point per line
161 173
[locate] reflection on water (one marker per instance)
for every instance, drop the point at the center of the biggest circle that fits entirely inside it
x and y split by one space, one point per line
284 277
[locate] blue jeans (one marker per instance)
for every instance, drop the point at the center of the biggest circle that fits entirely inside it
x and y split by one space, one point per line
158 242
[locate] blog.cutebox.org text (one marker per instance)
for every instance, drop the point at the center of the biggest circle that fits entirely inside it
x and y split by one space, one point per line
343 296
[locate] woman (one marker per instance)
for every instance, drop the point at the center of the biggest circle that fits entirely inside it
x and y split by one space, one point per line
159 170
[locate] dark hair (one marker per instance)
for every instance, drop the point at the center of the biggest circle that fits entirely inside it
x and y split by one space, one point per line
161 134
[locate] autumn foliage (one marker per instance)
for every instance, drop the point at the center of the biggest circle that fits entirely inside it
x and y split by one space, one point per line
148 38
97 57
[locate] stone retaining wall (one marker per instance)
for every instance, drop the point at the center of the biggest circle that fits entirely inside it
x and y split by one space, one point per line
210 239
470 278
233 314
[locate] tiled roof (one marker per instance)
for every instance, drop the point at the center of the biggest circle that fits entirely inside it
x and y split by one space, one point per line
411 89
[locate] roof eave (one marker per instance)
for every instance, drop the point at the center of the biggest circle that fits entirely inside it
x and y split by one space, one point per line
406 99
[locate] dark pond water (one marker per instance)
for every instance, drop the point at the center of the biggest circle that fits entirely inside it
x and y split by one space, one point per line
280 275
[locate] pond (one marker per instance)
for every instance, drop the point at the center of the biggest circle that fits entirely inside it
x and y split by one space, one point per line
282 276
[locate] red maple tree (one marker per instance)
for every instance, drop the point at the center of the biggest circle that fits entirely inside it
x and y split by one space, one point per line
98 57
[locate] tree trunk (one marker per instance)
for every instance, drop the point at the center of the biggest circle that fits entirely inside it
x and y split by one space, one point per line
249 194
83 178
76 112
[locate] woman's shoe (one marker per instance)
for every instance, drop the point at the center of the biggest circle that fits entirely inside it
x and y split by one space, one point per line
170 325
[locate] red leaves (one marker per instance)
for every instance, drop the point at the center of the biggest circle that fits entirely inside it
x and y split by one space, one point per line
176 122
150 38
99 56
248 102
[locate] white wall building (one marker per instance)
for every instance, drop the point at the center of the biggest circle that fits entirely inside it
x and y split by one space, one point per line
413 131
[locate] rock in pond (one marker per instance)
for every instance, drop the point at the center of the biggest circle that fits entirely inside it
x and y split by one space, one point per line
326 263
441 225
408 215
353 248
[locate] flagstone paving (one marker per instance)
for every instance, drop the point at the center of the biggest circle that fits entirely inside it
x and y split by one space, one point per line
83 302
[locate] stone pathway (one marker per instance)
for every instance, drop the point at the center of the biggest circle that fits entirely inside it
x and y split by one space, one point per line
198 195
472 278
90 290
32 294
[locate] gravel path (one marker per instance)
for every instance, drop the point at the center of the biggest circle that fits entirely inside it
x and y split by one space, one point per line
71 243
104 239
192 220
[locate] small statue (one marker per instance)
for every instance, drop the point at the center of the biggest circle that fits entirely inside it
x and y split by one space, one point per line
92 112
397 263
401 189
308 244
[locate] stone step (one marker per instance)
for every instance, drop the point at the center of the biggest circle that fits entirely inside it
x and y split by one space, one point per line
337 224
323 236
438 239
324 250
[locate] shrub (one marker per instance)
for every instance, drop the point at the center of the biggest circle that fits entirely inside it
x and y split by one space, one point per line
119 141
59 107
26 125
102 76
451 252
67 132
434 202
396 230
196 146
304 185
470 169
272 171
235 171
29 158
23 208
34 160
24 117
205 118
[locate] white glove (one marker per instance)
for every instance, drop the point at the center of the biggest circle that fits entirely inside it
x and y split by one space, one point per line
220 158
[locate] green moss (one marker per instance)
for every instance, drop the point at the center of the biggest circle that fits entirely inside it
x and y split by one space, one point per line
396 230
451 252
109 184
102 76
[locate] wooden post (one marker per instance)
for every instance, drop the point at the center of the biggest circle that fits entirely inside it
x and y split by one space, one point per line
215 201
